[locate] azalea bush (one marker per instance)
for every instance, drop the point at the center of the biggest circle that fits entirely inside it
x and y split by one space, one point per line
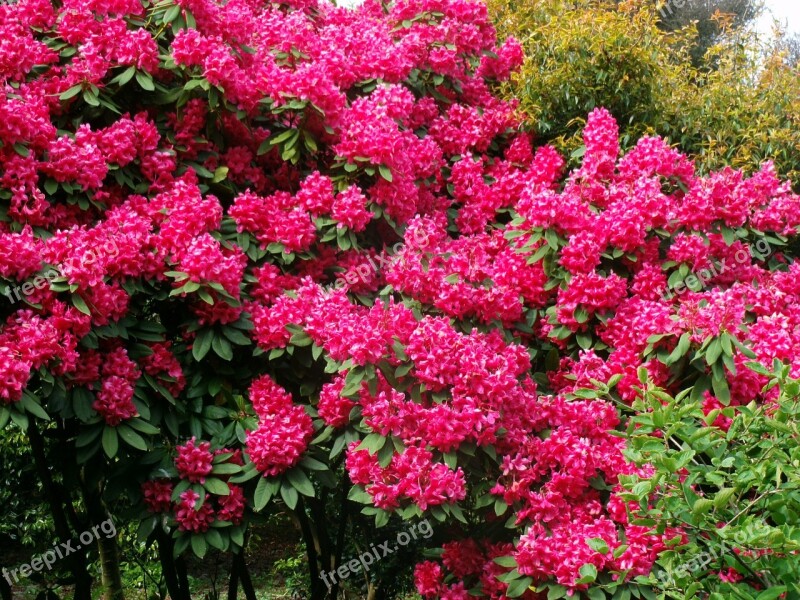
293 257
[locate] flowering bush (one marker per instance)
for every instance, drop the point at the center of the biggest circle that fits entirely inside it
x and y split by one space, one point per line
302 249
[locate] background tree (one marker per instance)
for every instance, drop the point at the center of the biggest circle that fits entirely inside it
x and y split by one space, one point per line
588 54
711 20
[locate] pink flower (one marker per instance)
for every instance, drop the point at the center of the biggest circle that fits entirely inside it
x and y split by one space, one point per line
193 461
231 507
157 495
284 429
190 518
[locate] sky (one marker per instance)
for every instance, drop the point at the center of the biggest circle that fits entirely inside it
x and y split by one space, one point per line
787 12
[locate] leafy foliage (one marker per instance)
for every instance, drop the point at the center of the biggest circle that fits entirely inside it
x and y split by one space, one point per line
739 113
729 479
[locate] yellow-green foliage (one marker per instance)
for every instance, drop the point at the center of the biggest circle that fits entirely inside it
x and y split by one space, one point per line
589 53
742 114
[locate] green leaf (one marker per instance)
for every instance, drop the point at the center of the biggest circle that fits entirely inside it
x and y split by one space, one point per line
300 482
506 561
220 174
313 464
130 437
171 14
714 351
199 546
263 494
222 347
71 92
385 173
217 487
214 539
125 76
596 593
146 527
772 593
556 591
372 443
721 390
282 137
80 304
202 344
31 405
50 186
289 495
226 469
723 497
90 98
143 426
588 574
518 587
702 506
110 442
680 350
145 80
598 545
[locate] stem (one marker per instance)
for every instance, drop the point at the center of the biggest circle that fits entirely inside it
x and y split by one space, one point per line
109 565
5 589
183 578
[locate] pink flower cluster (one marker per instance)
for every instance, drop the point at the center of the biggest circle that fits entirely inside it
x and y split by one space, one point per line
194 462
284 429
411 475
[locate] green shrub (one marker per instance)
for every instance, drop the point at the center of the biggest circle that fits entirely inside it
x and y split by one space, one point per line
730 479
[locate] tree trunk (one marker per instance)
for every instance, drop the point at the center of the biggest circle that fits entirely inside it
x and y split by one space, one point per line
5 589
183 578
107 547
244 575
344 520
109 565
319 590
77 560
168 568
233 582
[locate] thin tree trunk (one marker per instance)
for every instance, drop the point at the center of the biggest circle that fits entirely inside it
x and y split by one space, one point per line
107 547
77 560
244 576
318 588
233 582
344 518
183 578
5 589
168 569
